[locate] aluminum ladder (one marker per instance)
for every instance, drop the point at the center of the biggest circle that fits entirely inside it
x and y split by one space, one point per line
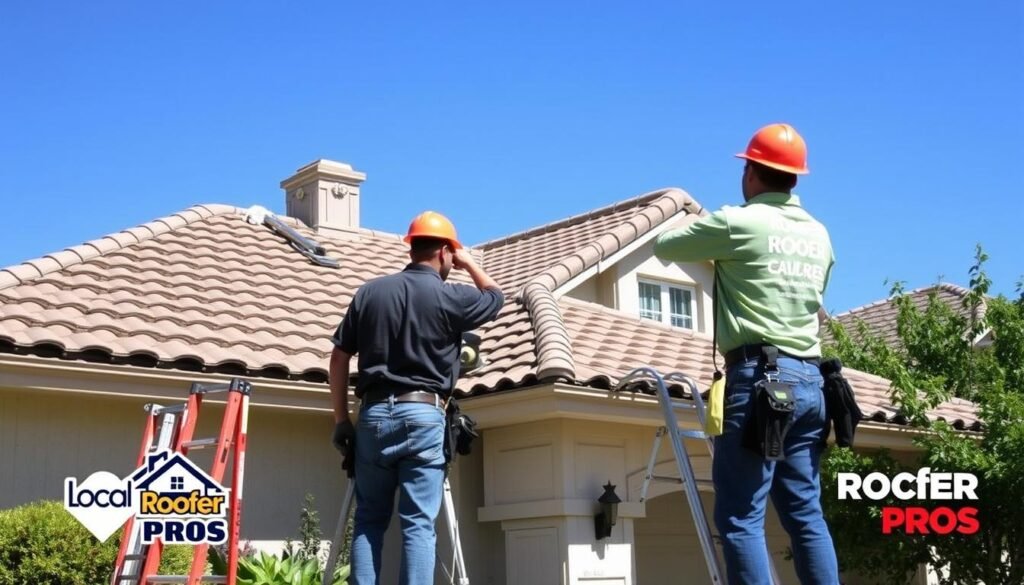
669 407
459 576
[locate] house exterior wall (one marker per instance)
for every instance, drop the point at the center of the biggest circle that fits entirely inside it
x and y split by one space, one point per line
667 546
643 265
542 480
616 285
599 289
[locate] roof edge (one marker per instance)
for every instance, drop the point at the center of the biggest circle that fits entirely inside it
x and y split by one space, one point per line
954 288
581 217
29 270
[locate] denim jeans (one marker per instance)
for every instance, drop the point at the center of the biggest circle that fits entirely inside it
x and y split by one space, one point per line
743 481
398 447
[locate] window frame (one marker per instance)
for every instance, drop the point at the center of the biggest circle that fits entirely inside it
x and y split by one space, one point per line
665 297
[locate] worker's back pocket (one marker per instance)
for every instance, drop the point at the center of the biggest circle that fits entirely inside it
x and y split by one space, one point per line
425 440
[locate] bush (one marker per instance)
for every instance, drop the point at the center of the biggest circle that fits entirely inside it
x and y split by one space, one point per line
176 560
41 543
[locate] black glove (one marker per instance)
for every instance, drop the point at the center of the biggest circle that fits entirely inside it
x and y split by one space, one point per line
344 440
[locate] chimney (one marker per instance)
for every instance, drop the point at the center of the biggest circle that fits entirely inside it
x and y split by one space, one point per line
325 195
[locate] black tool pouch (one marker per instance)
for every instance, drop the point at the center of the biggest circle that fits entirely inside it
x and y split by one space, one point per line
460 432
771 415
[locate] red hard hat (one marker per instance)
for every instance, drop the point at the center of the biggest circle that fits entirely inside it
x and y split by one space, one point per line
778 146
431 224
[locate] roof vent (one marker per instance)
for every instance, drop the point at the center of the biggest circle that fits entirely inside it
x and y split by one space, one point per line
303 245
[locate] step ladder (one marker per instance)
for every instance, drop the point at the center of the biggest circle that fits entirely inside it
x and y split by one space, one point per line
172 428
669 407
459 575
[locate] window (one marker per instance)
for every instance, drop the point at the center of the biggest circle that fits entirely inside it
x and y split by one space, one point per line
177 483
650 301
668 303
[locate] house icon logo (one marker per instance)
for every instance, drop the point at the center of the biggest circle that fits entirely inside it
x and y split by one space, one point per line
171 498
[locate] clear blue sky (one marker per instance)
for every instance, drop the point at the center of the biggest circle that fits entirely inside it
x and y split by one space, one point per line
510 115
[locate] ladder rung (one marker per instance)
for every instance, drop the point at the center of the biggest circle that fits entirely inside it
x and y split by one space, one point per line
670 478
199 443
198 388
184 579
173 409
683 405
692 434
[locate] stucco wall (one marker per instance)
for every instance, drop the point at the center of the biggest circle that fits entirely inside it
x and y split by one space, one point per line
643 265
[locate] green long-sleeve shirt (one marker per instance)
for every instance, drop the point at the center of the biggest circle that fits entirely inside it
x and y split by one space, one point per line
773 261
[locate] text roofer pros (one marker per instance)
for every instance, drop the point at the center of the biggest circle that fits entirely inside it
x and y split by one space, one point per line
171 498
923 487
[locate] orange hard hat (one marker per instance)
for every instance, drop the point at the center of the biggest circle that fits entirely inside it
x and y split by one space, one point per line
778 146
431 224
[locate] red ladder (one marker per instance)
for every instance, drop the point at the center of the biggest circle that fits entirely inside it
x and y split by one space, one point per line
172 427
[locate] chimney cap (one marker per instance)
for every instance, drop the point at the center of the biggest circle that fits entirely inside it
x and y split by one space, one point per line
324 169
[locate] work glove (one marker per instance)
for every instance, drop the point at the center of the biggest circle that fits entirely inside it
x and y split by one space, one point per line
344 440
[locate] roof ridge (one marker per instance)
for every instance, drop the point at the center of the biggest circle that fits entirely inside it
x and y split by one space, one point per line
31 269
571 220
665 203
939 285
552 343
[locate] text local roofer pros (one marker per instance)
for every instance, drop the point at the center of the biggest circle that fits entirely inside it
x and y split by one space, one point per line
406 329
772 264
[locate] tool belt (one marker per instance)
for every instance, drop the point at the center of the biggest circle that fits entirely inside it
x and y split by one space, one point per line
755 350
460 431
771 416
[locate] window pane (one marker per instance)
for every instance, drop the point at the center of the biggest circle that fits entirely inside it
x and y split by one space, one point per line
650 301
680 300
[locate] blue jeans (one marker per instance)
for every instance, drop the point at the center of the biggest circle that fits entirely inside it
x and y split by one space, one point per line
743 481
398 447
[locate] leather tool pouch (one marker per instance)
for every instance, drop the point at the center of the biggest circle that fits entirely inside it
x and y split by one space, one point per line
461 430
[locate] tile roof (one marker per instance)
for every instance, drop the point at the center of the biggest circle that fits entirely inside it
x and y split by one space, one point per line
582 239
880 316
204 290
609 343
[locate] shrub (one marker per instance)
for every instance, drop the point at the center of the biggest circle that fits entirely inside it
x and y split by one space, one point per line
41 543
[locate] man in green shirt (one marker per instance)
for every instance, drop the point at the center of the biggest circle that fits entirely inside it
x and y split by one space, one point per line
773 262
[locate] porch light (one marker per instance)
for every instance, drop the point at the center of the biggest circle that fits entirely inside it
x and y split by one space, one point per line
609 514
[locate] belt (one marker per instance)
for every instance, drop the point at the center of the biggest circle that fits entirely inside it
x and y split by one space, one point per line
420 396
747 352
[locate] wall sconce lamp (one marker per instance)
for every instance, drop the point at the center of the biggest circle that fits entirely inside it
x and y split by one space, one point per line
609 514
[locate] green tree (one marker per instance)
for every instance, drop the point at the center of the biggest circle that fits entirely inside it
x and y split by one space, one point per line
936 359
